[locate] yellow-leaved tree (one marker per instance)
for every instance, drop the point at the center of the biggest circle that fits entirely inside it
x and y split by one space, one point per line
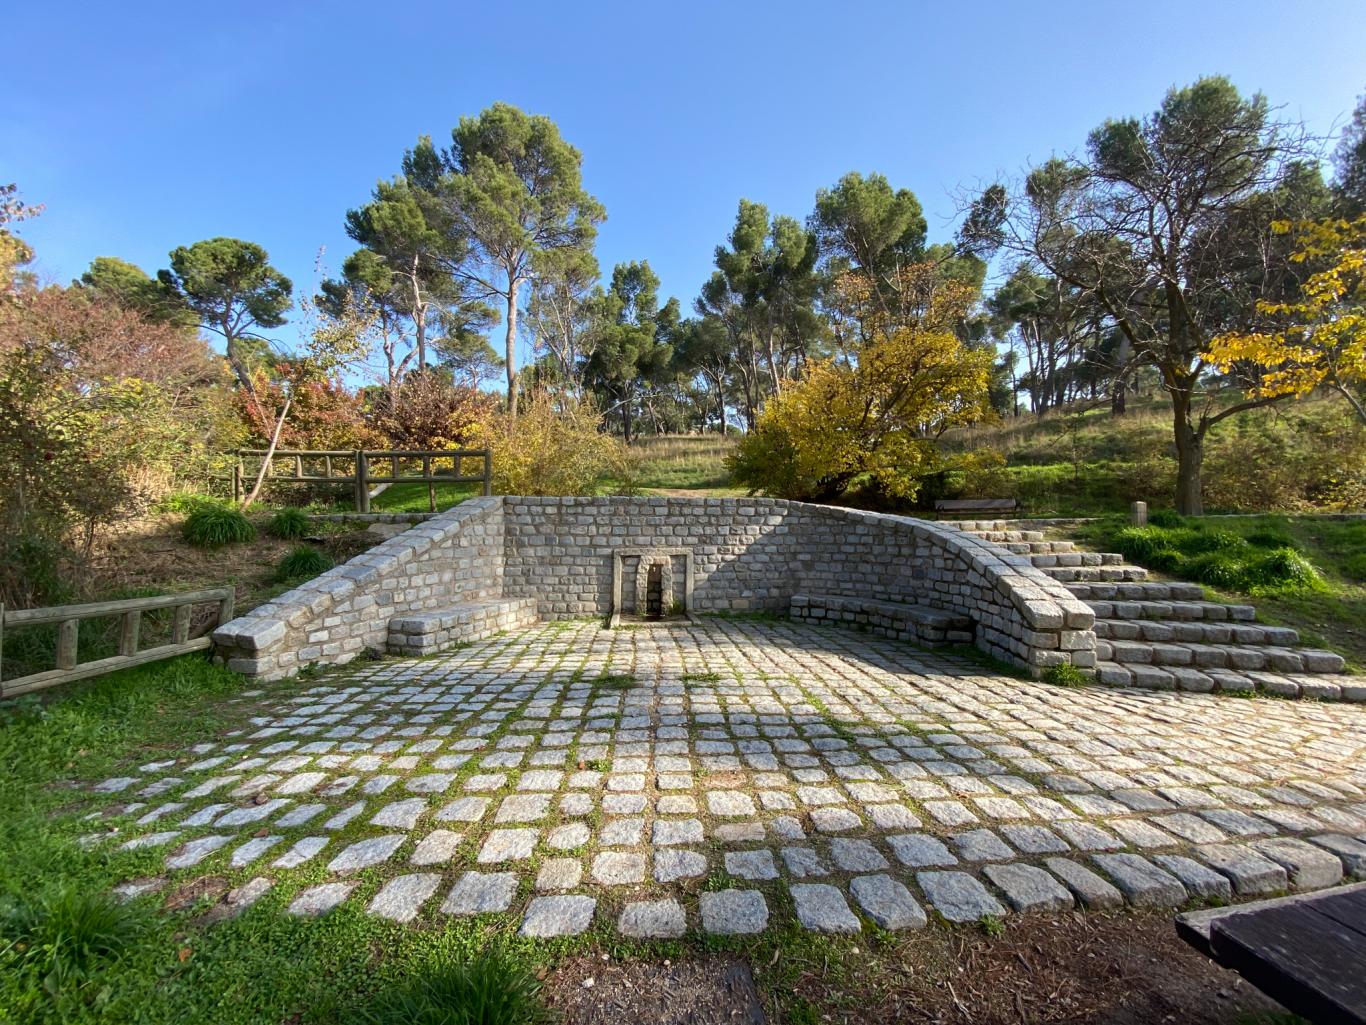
1320 339
869 422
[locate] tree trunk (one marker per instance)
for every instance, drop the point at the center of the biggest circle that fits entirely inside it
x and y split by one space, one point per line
1190 455
510 346
1118 396
265 463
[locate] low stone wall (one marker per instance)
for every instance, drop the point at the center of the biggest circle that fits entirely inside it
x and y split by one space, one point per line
734 555
930 628
426 633
457 556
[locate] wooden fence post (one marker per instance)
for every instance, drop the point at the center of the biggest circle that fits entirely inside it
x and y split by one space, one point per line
225 607
128 636
237 481
362 482
488 472
66 643
181 630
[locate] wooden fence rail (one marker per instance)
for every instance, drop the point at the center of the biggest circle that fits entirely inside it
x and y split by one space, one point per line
68 619
309 466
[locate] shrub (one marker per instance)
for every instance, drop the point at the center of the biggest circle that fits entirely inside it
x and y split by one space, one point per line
1354 567
31 571
303 563
550 451
212 525
488 990
1165 518
64 937
288 525
984 475
1284 569
184 502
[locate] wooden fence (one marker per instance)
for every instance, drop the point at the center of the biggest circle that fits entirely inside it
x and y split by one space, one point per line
357 468
68 619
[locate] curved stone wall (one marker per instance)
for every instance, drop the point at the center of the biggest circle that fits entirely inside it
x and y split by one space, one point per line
744 555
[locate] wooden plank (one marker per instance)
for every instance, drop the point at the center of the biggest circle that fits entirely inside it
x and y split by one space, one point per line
128 634
1348 910
90 610
1303 959
1194 926
52 677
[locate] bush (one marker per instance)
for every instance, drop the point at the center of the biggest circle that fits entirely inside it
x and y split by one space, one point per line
288 525
212 525
64 937
31 571
1271 539
1354 567
1219 558
488 990
984 475
303 563
550 451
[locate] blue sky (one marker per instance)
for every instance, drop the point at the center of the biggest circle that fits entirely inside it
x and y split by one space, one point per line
144 126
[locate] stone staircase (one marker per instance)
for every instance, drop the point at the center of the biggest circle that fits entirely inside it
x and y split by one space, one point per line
1164 634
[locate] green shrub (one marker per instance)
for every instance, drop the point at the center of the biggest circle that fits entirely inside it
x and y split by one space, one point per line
1165 518
303 563
1284 569
31 571
1354 567
288 525
64 937
212 525
488 990
1213 541
184 502
1216 568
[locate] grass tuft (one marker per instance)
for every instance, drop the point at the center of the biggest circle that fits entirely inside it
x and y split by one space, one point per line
303 563
212 526
490 989
288 524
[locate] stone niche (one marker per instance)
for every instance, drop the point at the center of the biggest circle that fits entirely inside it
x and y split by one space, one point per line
653 583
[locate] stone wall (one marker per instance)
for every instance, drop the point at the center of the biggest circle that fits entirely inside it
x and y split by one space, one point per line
743 555
454 557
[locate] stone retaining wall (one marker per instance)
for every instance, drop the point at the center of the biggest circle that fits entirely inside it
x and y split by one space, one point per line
742 555
457 556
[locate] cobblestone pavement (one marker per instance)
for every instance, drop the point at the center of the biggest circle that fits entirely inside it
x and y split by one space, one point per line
737 775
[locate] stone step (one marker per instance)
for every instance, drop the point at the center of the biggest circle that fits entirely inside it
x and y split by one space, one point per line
1068 557
1007 536
1096 574
1136 590
1327 687
1167 610
1200 631
1219 656
1041 549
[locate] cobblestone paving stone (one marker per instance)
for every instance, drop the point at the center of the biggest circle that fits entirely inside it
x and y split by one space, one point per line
736 774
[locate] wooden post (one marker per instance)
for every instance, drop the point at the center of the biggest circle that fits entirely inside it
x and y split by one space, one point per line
66 643
431 486
488 473
237 481
1138 514
181 630
327 467
362 482
225 607
298 466
128 636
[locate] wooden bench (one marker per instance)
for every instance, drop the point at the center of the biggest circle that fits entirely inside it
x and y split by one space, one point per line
919 624
432 630
1307 951
954 506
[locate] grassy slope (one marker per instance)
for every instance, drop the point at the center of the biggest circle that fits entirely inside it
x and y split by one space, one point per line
1334 617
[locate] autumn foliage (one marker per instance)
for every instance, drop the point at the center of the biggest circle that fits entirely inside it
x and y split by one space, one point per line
1319 338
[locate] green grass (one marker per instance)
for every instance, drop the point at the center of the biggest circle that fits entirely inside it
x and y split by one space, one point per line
684 462
1328 610
288 524
303 563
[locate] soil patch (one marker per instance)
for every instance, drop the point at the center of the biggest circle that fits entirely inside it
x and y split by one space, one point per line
705 991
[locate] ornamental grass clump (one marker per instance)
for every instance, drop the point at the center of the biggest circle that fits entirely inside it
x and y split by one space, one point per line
288 525
303 563
213 526
490 989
